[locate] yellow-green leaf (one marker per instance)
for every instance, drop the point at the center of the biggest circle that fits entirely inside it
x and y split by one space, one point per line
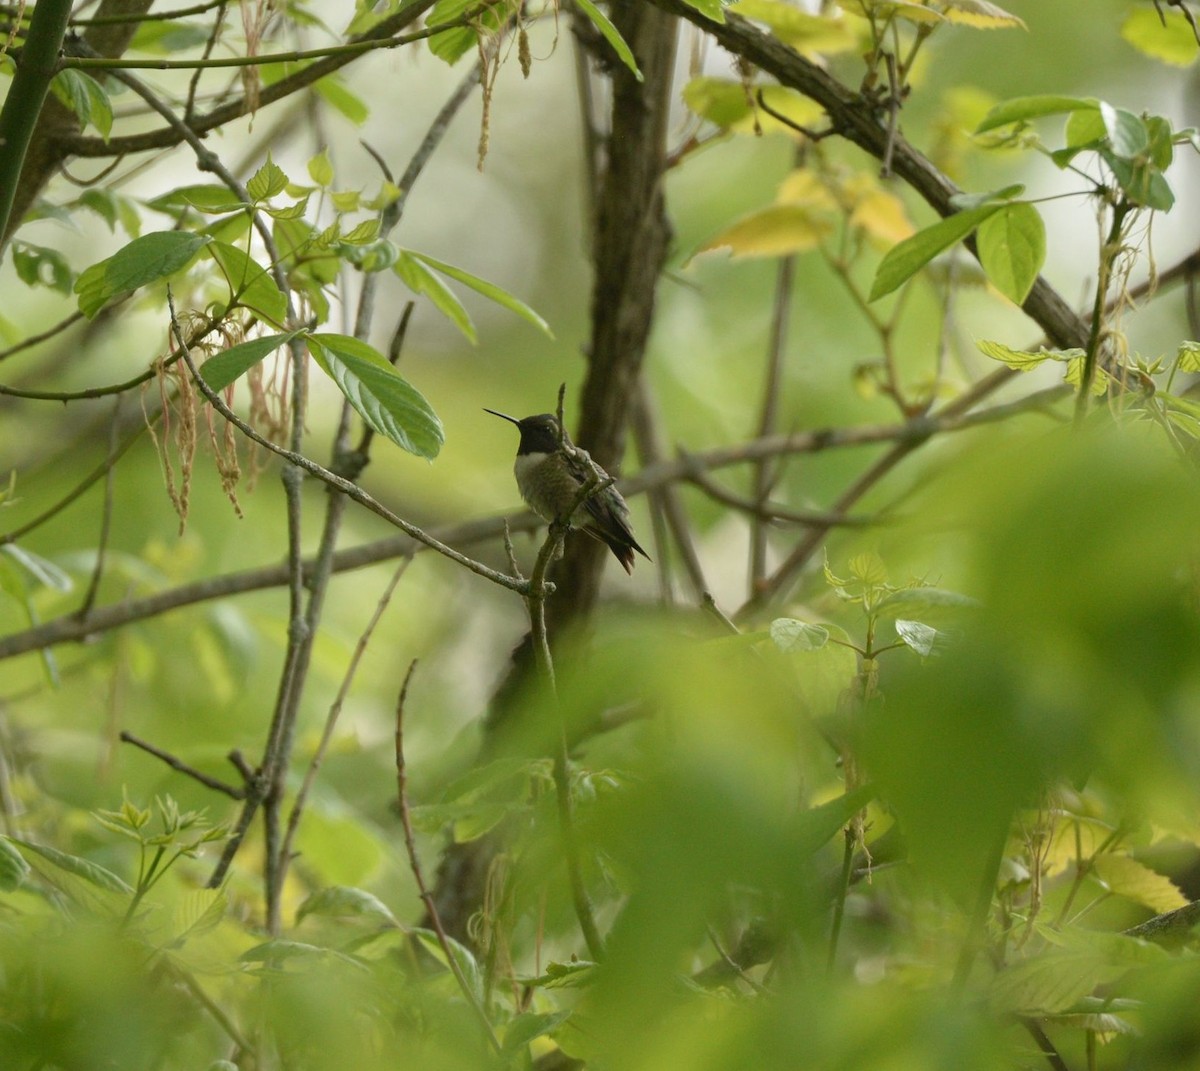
1135 881
1172 42
772 232
980 14
804 32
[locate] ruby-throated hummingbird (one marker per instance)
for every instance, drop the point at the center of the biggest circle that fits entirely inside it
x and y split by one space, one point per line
549 478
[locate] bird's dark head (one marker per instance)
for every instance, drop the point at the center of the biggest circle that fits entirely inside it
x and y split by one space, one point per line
539 434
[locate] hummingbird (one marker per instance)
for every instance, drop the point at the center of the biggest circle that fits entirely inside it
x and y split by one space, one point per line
549 477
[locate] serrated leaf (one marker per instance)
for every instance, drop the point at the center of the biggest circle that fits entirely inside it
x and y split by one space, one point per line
1135 881
1022 109
13 868
788 634
199 912
380 395
1051 982
561 975
611 34
223 368
365 232
144 260
868 567
267 182
85 97
907 258
339 901
1022 360
278 950
250 283
1188 356
90 872
981 14
1075 371
204 197
1012 249
1170 40
490 291
920 637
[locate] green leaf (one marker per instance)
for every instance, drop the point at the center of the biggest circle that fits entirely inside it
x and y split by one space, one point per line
380 395
250 284
611 34
908 257
13 868
1127 134
452 44
223 368
39 266
86 98
817 825
421 280
937 603
144 260
267 182
788 634
205 197
90 872
1022 109
1012 249
490 291
339 901
529 1026
467 964
710 9
1141 181
277 950
338 95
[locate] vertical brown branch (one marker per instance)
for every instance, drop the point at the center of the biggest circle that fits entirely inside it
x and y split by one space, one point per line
630 234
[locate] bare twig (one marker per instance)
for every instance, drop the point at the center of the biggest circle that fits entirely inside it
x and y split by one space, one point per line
89 598
335 710
217 785
414 860
67 629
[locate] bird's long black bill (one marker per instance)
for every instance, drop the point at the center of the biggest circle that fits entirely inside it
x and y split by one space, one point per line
502 416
